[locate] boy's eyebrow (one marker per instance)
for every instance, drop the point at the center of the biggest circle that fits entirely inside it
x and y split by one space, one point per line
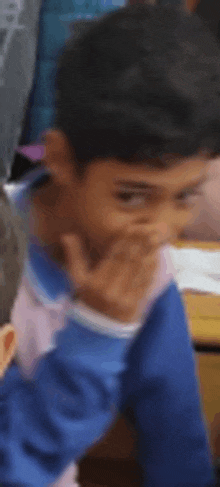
142 185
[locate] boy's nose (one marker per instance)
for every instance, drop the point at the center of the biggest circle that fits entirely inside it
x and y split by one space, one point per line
157 240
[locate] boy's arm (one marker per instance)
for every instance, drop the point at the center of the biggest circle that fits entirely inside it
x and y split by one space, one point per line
68 405
52 419
161 394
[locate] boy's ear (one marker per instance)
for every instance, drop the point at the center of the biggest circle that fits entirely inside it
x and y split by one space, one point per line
59 157
7 347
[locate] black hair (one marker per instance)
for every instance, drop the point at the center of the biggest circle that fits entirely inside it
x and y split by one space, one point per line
13 244
141 82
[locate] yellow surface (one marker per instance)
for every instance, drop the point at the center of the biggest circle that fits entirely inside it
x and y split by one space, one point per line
208 367
198 245
204 318
203 310
204 321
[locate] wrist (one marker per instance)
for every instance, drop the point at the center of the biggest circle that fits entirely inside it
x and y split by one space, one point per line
100 305
102 323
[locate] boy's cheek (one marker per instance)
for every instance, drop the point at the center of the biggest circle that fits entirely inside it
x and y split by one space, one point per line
205 221
106 225
212 188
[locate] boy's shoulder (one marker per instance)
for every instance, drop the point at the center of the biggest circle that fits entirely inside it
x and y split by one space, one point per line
47 278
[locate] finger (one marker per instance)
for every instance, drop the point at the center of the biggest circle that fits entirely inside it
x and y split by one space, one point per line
140 274
124 257
76 261
121 264
109 272
143 285
145 276
133 270
141 236
128 247
111 263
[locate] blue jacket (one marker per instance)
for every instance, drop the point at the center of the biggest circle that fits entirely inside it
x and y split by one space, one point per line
56 24
78 386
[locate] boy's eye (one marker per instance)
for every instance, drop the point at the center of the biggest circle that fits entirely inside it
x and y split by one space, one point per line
139 200
132 199
189 198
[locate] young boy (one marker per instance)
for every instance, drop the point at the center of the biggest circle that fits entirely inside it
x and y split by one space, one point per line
12 251
70 402
138 120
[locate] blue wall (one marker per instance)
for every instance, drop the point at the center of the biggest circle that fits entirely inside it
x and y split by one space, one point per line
56 16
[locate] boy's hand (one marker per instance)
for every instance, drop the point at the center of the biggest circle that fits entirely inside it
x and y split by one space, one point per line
121 279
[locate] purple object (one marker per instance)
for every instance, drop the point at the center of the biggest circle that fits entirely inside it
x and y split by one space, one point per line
34 152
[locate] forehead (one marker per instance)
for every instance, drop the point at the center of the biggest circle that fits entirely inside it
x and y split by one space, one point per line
183 172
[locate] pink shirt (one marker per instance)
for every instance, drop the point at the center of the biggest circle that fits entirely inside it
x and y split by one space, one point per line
34 152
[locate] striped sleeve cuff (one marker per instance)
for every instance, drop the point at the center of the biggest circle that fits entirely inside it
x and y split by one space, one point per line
100 323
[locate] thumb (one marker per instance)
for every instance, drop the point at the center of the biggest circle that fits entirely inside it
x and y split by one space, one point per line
76 262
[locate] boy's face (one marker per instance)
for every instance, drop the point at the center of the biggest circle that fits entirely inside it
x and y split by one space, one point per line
113 196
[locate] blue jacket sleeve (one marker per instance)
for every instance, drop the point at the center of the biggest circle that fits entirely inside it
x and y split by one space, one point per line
161 397
54 418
